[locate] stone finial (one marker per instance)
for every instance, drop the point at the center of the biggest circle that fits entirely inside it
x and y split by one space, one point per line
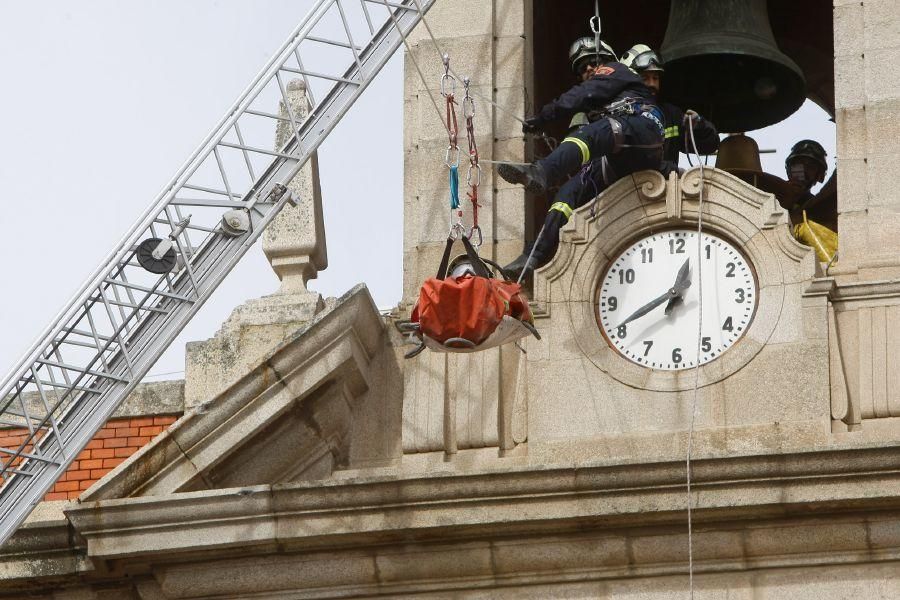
295 241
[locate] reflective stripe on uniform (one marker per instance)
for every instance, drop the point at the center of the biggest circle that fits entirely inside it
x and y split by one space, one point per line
585 151
562 207
672 131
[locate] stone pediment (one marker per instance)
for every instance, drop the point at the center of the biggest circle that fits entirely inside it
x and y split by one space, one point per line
287 419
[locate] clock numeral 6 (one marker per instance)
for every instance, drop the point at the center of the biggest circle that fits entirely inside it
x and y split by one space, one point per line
676 355
626 276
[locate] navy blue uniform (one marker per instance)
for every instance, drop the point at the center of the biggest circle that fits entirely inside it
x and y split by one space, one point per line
610 83
636 147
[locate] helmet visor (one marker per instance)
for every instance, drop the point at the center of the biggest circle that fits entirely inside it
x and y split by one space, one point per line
646 61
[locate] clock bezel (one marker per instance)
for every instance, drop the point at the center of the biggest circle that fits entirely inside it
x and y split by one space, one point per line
598 286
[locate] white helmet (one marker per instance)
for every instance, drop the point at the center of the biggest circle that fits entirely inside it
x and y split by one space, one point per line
585 48
640 58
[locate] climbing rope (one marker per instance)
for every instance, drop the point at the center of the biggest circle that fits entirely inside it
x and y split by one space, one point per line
451 157
473 175
697 368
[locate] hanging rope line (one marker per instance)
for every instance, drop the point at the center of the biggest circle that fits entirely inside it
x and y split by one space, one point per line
473 175
451 157
697 368
595 24
437 47
409 52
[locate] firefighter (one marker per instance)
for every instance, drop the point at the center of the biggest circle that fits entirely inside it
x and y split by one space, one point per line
624 134
644 61
805 167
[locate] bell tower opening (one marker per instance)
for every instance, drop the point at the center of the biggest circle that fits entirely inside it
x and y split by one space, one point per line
802 30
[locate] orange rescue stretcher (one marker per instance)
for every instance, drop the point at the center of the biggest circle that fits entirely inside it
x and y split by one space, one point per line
469 312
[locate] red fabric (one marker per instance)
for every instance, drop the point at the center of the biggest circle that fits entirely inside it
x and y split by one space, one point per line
467 307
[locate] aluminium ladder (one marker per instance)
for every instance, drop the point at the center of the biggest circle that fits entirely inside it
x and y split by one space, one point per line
124 317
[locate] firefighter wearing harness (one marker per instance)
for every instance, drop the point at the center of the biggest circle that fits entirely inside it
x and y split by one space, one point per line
624 135
643 60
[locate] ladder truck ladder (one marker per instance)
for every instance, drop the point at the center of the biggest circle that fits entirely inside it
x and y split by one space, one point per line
135 304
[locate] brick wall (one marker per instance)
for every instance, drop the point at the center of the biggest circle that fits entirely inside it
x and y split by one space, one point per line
116 441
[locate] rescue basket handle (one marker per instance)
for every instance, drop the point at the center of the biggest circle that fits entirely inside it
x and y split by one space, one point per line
477 264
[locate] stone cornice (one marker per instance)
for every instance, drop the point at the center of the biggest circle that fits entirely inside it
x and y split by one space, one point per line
355 513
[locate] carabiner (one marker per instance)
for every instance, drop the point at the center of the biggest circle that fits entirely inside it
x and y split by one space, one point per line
477 169
449 153
452 80
476 229
456 231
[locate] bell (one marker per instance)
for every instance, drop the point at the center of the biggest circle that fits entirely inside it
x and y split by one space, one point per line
739 155
721 60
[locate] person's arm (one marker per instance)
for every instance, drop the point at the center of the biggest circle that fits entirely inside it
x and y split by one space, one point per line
705 135
591 94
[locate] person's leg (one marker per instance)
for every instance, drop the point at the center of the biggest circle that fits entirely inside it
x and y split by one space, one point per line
587 144
574 193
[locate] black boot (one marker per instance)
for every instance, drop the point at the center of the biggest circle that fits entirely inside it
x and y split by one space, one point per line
522 263
542 253
531 176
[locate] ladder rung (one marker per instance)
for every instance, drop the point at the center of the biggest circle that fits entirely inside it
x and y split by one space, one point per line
129 305
258 150
51 363
313 38
319 75
88 334
71 342
77 388
198 188
147 290
207 202
28 455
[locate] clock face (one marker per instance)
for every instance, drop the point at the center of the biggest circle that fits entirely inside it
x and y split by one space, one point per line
648 303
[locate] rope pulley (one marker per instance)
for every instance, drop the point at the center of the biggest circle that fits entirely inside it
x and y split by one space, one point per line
158 255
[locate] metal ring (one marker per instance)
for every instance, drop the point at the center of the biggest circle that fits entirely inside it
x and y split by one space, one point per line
480 236
456 230
469 175
452 79
595 28
448 154
468 112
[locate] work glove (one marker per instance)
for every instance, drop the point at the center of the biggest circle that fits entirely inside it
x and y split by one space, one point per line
691 113
531 125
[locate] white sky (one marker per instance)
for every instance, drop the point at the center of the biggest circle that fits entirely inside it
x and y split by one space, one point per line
103 100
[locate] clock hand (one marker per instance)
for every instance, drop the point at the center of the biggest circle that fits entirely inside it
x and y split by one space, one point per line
682 283
669 295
